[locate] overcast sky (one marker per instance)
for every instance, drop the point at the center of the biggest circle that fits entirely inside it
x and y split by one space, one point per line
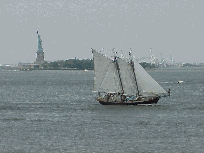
69 28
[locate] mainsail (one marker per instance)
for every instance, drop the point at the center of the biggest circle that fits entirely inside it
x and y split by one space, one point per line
106 78
127 77
146 84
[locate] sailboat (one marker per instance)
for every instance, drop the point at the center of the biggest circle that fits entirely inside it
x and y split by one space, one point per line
123 82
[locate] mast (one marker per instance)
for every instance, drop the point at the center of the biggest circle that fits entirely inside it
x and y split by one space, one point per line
118 69
132 65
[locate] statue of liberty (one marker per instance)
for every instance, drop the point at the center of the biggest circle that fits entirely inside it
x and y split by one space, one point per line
39 43
39 54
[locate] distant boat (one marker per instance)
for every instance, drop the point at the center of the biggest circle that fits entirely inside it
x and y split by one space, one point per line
180 81
86 70
121 82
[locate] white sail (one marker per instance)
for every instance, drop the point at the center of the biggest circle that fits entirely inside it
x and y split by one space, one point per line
146 84
127 77
106 78
111 81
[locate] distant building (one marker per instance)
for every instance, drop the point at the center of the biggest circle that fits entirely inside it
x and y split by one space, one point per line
27 66
40 53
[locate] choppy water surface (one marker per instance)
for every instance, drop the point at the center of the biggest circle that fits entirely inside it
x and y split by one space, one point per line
56 111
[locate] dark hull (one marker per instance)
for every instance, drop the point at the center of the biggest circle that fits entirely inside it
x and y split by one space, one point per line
152 101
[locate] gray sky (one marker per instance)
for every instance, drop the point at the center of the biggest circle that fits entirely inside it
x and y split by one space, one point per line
69 28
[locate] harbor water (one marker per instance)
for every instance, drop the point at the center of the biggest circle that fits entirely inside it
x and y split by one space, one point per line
56 111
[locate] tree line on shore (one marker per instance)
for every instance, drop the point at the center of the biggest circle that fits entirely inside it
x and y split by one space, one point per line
79 64
69 64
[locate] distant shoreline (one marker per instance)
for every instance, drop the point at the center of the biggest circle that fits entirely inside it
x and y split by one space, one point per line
144 65
55 69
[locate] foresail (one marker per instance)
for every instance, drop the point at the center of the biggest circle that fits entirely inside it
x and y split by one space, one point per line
111 81
146 84
127 77
105 75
